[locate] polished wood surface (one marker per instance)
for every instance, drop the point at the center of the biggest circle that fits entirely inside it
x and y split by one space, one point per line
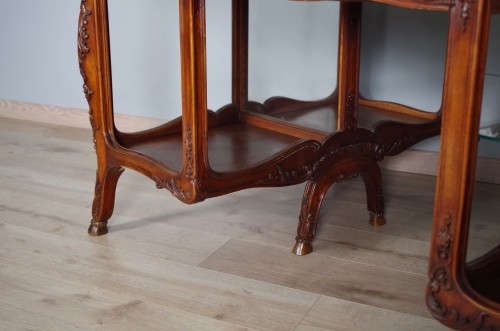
451 295
230 148
301 153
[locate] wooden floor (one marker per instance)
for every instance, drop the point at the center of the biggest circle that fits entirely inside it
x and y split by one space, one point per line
225 264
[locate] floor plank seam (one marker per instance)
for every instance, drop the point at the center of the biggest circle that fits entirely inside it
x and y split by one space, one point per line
307 313
424 275
378 233
211 254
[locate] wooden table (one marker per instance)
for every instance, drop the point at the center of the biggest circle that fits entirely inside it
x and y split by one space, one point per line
246 144
462 295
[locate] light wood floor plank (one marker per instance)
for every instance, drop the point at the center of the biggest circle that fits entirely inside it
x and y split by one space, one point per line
224 264
71 267
339 315
40 309
35 210
276 225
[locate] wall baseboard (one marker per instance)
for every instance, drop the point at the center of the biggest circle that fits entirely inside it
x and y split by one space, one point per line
73 117
412 161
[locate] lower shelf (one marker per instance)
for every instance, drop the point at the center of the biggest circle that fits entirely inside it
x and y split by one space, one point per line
324 118
231 147
255 136
316 121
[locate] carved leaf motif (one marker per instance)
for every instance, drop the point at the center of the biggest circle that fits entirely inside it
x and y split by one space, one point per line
171 185
87 91
348 151
189 172
405 141
445 237
83 36
307 222
83 50
441 285
96 206
283 176
439 276
343 177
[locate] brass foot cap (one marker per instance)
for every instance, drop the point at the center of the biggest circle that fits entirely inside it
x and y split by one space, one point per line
377 220
98 229
302 248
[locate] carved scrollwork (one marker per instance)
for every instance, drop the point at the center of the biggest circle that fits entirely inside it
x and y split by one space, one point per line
189 170
306 229
281 175
87 91
345 176
441 285
197 190
95 126
83 36
404 142
445 238
307 220
83 46
96 206
308 212
171 185
369 149
439 278
83 50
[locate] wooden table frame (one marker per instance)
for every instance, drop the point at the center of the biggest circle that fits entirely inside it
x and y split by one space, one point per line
451 295
320 157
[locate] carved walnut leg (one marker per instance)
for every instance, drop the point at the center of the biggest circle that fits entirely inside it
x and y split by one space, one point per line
450 297
104 200
94 60
311 204
316 188
372 177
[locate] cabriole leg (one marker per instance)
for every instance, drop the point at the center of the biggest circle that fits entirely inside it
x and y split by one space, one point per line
104 200
311 204
372 177
328 174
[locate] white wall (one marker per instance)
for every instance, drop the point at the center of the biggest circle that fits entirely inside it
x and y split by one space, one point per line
292 53
404 56
38 59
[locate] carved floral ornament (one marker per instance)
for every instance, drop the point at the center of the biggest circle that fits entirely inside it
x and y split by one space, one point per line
189 172
83 36
97 197
440 274
83 46
441 288
171 185
281 176
83 50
